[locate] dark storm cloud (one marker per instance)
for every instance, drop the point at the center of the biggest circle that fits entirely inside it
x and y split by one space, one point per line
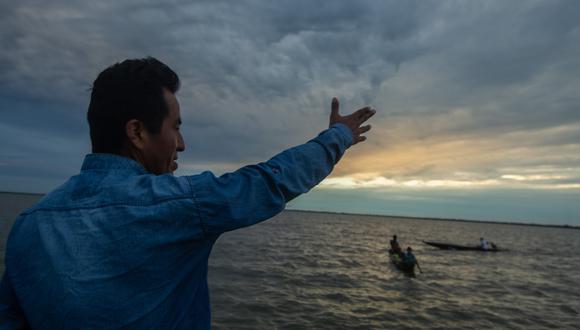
248 69
258 75
509 65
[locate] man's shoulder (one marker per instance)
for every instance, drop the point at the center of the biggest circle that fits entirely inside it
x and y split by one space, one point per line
89 191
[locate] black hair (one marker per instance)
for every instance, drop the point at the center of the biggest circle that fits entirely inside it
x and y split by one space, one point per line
132 89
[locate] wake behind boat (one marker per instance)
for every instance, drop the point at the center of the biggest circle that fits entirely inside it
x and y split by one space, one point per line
449 246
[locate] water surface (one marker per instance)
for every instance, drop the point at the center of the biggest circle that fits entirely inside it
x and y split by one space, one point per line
331 271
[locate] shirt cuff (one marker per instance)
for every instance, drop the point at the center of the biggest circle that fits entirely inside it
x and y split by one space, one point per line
345 134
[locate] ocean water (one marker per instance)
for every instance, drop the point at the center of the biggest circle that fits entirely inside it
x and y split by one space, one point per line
303 270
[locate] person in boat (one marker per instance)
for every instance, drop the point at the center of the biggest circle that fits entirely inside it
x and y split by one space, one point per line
483 244
395 247
409 257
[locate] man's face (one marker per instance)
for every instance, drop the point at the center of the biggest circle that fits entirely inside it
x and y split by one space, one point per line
160 151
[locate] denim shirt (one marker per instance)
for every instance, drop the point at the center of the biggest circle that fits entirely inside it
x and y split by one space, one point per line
116 246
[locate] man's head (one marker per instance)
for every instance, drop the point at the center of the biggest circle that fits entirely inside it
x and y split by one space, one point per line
133 112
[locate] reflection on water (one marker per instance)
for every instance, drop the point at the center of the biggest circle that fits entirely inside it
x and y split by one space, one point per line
328 271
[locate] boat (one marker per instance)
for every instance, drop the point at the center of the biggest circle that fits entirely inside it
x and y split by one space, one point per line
399 264
448 246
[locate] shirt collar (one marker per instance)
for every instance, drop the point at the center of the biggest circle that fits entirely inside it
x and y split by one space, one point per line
111 162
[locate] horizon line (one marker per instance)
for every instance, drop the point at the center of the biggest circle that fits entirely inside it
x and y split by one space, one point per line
500 222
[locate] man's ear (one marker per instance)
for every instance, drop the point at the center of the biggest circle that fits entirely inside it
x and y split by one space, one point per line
136 133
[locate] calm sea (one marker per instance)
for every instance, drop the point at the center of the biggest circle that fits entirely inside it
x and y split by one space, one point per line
329 271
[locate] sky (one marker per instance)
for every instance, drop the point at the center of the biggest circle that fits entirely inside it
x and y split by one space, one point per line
478 102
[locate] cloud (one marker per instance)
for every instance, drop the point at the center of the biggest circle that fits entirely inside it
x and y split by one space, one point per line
466 91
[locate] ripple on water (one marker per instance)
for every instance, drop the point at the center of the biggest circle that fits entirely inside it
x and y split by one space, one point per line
319 271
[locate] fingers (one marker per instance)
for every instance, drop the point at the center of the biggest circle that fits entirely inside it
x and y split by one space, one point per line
364 114
362 110
368 115
352 121
364 129
361 130
360 139
334 107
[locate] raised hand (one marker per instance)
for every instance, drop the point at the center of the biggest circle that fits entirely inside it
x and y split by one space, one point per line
353 121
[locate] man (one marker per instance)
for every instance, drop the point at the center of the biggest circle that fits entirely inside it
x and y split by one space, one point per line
395 247
125 243
409 257
483 244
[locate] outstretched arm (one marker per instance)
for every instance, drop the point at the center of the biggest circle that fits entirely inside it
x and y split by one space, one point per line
257 192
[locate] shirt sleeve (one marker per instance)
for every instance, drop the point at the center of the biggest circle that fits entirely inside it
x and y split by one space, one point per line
11 315
258 192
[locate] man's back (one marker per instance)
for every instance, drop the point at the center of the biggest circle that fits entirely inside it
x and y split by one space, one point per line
409 258
110 235
395 245
484 244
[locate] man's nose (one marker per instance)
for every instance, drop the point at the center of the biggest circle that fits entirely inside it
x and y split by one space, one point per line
180 143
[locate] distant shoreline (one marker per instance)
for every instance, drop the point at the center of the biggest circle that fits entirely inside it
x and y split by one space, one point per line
21 193
390 216
442 219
